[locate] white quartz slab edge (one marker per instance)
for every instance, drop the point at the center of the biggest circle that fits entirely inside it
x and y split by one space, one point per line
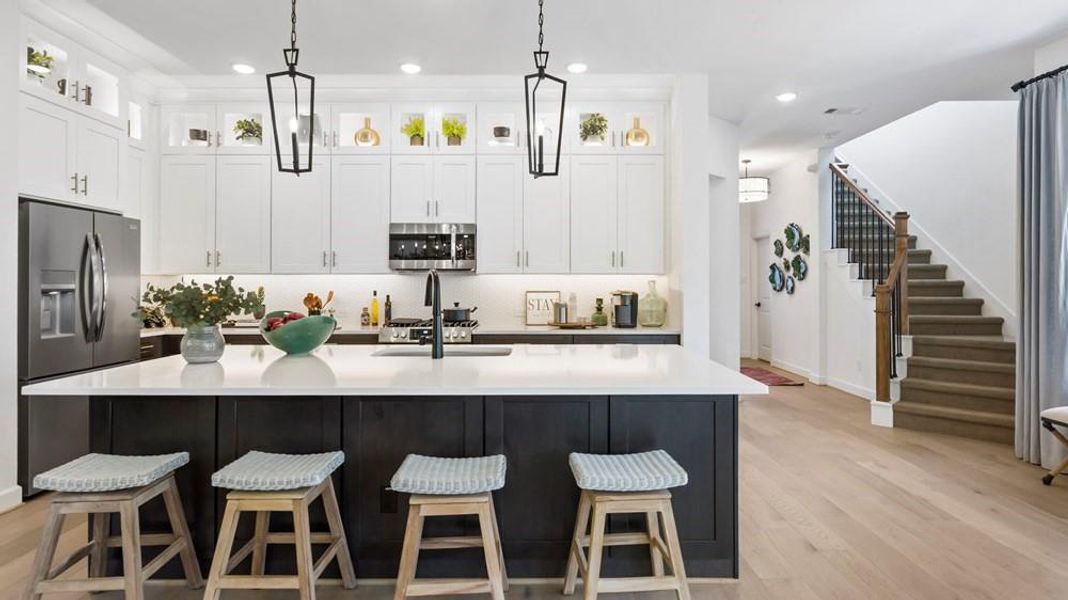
482 330
614 369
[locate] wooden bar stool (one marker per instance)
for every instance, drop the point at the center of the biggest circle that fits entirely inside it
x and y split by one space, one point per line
263 483
1051 419
626 484
101 484
450 487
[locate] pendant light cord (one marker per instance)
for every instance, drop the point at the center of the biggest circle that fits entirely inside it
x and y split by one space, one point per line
541 22
293 31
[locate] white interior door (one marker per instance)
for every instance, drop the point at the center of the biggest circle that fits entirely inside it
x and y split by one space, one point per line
763 303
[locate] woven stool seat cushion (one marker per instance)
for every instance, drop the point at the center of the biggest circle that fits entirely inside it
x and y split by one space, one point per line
1057 414
264 471
109 472
642 472
449 476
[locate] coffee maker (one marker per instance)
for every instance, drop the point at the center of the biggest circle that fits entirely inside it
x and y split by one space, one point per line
625 309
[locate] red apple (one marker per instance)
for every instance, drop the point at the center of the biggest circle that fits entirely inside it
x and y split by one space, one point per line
273 323
293 316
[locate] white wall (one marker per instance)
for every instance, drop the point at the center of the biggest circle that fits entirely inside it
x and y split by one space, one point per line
721 271
952 166
10 493
796 336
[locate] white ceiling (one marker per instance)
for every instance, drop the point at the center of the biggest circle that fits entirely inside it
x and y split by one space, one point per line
889 57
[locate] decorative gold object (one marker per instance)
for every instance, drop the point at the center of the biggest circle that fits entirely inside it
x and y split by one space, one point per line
637 136
366 136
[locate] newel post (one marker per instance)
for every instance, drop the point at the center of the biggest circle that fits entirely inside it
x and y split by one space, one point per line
901 237
882 342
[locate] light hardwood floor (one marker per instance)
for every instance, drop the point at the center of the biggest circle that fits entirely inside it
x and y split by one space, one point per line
831 507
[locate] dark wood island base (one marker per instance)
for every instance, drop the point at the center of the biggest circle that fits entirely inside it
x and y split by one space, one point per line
536 508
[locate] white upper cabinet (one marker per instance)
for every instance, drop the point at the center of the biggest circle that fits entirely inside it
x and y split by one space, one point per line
594 211
188 129
99 148
187 214
433 129
615 128
412 189
641 214
500 213
500 128
300 220
243 214
546 222
360 214
454 189
243 129
136 187
360 129
47 136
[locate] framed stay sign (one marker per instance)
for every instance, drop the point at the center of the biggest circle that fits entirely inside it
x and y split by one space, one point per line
540 307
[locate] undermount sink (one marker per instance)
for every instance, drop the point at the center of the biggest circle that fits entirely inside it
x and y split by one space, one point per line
450 351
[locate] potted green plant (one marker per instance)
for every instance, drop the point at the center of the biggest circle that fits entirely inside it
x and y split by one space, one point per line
38 63
593 128
200 309
248 131
415 129
454 130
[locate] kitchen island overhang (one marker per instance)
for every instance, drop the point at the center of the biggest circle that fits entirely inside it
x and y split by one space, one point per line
535 406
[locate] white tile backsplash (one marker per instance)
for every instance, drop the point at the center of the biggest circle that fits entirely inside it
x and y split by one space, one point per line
499 298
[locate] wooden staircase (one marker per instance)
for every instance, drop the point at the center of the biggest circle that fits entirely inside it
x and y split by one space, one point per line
961 376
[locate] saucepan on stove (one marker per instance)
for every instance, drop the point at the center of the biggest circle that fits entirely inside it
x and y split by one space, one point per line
457 314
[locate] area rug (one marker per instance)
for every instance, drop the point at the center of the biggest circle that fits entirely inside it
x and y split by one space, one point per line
767 377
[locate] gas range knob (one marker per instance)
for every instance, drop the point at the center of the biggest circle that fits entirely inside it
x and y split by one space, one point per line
463 333
396 334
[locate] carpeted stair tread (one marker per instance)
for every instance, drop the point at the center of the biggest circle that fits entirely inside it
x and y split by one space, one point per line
921 288
990 342
945 305
980 348
954 319
961 365
961 389
954 414
926 272
995 374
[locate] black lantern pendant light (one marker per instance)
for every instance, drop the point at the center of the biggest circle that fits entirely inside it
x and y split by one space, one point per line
298 125
545 96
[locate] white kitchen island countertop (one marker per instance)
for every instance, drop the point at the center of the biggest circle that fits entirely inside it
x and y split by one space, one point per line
353 370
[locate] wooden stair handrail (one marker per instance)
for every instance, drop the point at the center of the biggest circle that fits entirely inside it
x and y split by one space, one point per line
898 279
840 172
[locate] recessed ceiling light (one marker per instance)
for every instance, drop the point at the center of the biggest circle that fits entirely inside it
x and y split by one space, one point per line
244 69
786 97
410 68
577 68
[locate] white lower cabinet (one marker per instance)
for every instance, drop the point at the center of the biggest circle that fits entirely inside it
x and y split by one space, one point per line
187 214
67 156
359 214
300 220
243 214
617 215
523 223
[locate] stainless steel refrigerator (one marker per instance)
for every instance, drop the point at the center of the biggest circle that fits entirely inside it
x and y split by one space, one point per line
79 277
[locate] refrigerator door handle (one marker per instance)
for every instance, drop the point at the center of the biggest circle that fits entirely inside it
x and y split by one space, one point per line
86 291
103 287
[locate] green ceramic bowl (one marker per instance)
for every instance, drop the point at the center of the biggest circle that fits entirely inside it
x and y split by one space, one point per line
298 337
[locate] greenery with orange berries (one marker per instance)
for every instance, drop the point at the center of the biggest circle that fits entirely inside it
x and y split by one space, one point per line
206 304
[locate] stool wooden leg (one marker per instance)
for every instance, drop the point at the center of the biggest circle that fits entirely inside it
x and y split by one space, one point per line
46 552
259 550
180 528
582 520
222 551
98 558
653 526
490 549
413 535
593 572
675 549
1055 471
302 539
497 537
130 524
337 530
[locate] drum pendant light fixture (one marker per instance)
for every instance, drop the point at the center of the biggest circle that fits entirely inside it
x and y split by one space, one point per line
545 97
292 98
753 189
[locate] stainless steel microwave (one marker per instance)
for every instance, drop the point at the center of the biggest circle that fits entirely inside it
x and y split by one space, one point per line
425 246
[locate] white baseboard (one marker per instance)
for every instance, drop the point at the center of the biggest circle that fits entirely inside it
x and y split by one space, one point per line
10 498
852 388
882 414
815 378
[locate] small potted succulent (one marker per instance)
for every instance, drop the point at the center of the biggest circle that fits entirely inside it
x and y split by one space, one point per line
415 129
38 63
454 130
248 131
593 128
200 309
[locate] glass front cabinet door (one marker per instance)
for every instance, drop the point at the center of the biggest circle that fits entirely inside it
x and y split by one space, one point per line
188 129
411 128
360 129
243 129
616 128
500 128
